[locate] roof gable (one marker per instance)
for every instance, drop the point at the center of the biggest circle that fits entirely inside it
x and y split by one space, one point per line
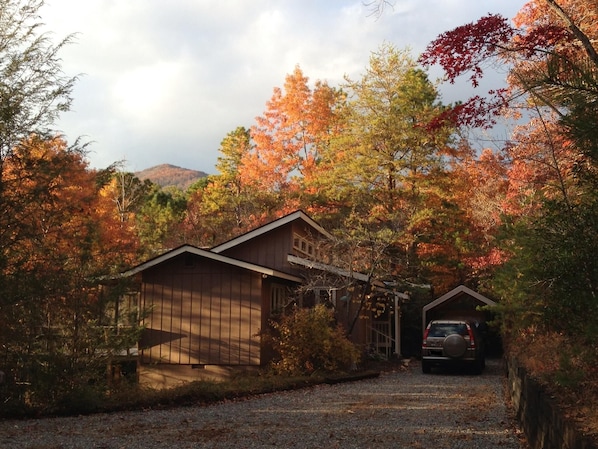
211 256
457 291
297 215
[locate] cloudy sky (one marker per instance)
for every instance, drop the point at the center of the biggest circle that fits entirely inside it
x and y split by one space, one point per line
164 81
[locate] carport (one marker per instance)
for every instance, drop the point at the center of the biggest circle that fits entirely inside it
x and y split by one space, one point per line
461 302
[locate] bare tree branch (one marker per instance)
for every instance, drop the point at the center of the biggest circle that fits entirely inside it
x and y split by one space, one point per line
377 7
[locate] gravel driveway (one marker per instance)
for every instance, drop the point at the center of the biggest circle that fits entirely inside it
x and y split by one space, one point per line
403 409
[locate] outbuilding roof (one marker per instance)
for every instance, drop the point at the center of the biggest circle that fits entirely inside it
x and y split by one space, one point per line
454 293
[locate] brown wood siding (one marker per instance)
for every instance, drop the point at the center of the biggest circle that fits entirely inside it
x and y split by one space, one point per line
204 313
459 307
268 250
271 249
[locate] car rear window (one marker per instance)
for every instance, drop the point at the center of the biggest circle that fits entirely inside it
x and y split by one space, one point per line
445 329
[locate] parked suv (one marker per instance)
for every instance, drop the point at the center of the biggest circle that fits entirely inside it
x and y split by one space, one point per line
452 342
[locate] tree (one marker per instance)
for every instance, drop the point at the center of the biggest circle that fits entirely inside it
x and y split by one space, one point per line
33 89
289 138
551 201
158 220
127 191
55 248
384 164
228 204
230 199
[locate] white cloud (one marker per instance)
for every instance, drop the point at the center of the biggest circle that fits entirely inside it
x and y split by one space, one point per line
164 82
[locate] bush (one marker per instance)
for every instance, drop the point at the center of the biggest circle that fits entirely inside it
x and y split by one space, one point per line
308 341
554 358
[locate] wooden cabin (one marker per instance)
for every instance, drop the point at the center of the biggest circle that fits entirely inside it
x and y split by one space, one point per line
205 308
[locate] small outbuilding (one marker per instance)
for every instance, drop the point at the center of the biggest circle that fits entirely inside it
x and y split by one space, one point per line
464 303
461 302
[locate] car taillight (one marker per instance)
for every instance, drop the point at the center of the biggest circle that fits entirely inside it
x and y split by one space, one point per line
425 341
471 337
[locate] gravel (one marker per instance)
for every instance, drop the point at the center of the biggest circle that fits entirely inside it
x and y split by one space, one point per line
402 409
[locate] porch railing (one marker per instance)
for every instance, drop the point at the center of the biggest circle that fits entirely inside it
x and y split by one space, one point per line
381 339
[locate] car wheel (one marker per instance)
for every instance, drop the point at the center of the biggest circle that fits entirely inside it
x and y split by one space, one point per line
426 367
478 366
454 346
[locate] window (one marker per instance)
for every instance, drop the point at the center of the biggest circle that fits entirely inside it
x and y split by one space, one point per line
305 247
279 298
325 296
443 330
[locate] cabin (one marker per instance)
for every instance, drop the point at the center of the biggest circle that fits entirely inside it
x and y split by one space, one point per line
205 309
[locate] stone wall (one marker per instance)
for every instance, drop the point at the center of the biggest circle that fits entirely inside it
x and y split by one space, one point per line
539 416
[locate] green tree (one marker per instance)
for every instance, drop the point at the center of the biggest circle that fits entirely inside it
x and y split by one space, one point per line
158 220
388 163
225 205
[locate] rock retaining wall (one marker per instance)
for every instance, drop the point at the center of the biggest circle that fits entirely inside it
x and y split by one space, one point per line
541 420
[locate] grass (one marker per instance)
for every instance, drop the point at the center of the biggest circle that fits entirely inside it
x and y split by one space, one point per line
131 396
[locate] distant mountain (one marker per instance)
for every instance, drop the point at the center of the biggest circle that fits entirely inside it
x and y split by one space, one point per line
170 175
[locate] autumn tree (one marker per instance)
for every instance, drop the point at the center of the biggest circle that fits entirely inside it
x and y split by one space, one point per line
226 204
52 245
387 164
51 306
33 89
552 63
289 138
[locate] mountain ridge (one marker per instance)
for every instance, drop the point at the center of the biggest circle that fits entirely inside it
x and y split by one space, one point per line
167 175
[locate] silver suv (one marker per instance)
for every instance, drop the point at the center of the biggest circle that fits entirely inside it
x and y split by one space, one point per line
452 342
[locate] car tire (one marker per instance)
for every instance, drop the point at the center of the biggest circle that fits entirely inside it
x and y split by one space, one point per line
426 367
454 346
478 366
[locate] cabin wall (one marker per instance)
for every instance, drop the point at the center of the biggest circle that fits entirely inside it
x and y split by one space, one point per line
347 308
268 250
201 313
271 249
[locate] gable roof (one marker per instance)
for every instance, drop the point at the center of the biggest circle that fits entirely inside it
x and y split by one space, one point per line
211 256
297 215
457 291
311 264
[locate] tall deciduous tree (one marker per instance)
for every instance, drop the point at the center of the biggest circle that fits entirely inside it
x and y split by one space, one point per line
50 305
33 88
52 244
228 204
386 161
288 139
552 195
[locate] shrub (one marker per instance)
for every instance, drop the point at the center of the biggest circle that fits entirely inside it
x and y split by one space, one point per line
308 341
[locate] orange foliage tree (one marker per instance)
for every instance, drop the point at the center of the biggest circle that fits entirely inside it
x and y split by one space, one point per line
288 140
550 203
55 242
